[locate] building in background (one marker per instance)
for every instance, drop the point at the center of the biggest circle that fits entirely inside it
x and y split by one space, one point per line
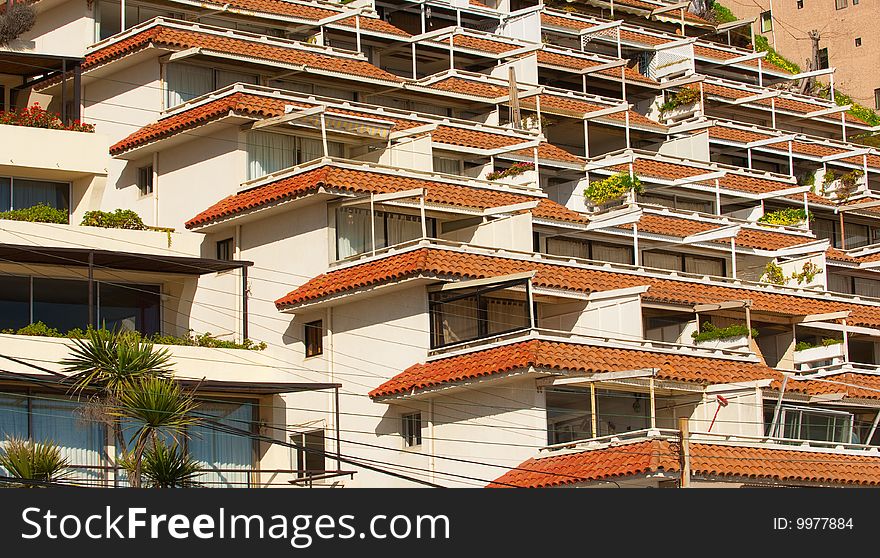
845 31
500 244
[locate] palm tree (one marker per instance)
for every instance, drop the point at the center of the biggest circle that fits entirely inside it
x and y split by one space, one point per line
166 466
109 360
133 383
40 462
159 407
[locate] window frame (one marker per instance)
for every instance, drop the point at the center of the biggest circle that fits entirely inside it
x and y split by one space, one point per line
840 4
766 22
313 338
411 429
228 245
145 182
682 259
435 315
302 456
824 60
12 180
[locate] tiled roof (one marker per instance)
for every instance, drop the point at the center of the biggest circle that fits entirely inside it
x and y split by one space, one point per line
801 147
569 106
306 11
470 87
731 181
365 181
707 460
166 36
259 106
747 237
551 58
481 44
451 264
706 51
570 357
625 34
549 152
782 103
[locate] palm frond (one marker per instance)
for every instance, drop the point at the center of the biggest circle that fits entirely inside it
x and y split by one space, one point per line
157 405
164 466
34 461
108 359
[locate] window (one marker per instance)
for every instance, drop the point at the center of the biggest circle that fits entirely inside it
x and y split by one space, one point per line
411 430
447 166
107 20
766 22
590 250
225 249
858 41
465 314
309 453
226 451
314 338
839 4
63 304
356 233
268 152
184 82
823 58
701 265
145 180
805 423
877 99
21 193
800 4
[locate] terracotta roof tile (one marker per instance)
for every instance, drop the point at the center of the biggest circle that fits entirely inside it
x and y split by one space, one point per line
706 51
451 264
747 237
707 460
306 11
557 104
470 87
551 58
782 103
480 44
570 357
258 106
173 37
850 384
364 181
549 152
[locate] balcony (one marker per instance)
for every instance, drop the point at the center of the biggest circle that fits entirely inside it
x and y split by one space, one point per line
52 154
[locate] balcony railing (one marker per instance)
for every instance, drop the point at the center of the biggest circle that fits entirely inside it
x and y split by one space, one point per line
642 271
602 442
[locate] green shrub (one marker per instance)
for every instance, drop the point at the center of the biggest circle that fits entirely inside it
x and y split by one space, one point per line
762 45
827 342
859 111
720 14
39 213
614 187
36 329
711 332
807 273
39 329
785 217
773 274
119 219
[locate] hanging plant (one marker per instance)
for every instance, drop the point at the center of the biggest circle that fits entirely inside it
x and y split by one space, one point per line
807 273
849 183
515 169
785 217
711 332
773 274
614 187
684 96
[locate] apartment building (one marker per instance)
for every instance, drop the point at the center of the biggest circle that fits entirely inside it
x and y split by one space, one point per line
844 32
485 244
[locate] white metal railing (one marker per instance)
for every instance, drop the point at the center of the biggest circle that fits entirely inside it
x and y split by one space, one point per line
559 336
711 437
596 265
